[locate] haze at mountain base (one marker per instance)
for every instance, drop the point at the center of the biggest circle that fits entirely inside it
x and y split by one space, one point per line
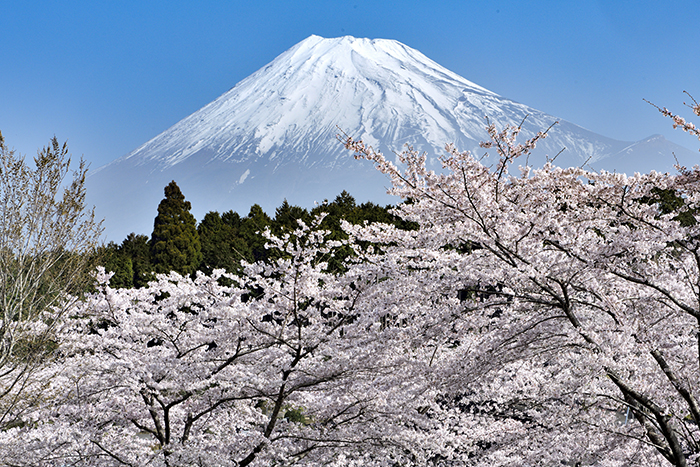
273 135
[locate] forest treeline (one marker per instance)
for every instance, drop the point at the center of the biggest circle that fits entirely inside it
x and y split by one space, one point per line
223 241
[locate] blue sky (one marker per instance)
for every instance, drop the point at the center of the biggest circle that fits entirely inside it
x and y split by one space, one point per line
109 75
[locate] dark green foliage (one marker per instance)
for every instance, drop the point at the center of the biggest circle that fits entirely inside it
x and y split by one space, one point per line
223 241
297 415
175 243
223 246
228 239
287 217
137 249
251 228
342 207
118 263
130 262
669 202
345 208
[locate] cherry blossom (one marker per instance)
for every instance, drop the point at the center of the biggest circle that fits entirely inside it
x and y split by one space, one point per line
535 317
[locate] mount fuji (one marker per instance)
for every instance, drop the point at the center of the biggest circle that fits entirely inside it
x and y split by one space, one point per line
273 135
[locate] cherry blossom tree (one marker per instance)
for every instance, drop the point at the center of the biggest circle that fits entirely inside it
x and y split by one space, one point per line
581 311
293 366
544 317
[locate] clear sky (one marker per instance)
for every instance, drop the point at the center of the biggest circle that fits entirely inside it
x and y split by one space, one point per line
109 75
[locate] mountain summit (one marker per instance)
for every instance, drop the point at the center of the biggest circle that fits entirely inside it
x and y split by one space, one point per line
273 135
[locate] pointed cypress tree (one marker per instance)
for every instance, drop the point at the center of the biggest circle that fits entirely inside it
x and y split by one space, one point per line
175 243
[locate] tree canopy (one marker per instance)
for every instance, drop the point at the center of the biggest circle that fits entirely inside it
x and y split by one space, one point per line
175 243
546 317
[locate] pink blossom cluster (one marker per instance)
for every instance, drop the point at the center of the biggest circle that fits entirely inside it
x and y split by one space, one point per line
680 122
549 318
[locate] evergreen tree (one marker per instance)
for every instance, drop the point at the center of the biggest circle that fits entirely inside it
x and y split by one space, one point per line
251 228
137 249
115 261
222 243
287 217
342 207
175 243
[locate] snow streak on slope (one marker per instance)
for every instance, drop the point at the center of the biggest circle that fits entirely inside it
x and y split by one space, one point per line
378 90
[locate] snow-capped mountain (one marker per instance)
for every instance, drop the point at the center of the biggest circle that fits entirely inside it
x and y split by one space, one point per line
273 135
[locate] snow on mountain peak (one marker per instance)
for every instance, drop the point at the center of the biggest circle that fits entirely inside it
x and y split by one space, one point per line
379 87
385 53
273 135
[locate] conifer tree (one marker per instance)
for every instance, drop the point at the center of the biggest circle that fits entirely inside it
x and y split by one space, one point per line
115 261
287 217
175 243
136 247
251 226
223 247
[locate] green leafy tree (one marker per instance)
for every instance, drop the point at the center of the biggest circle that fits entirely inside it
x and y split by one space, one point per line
175 243
287 218
345 208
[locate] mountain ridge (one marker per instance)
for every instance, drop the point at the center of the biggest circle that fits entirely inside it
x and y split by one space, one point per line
273 135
